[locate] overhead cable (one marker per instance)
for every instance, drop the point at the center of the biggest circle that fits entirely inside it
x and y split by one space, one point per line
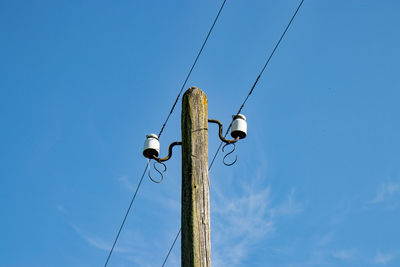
191 69
172 246
163 126
126 214
244 102
270 56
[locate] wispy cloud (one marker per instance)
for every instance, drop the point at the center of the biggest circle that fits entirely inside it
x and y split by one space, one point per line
98 242
289 207
383 258
61 209
345 254
386 193
168 202
244 219
325 239
126 183
239 223
136 251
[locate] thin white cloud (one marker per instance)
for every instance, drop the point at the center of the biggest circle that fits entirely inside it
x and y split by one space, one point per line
386 193
245 219
289 207
126 183
61 209
239 223
98 242
345 254
167 202
138 252
383 258
325 239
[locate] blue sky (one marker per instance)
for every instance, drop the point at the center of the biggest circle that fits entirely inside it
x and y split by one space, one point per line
317 182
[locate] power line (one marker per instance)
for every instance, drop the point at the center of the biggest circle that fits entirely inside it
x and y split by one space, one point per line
241 107
126 214
270 56
180 229
191 69
259 75
220 144
172 246
162 129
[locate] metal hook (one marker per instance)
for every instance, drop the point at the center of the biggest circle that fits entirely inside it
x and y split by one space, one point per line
160 160
223 150
220 133
160 172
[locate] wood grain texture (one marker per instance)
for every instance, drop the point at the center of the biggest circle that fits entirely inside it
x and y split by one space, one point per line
196 244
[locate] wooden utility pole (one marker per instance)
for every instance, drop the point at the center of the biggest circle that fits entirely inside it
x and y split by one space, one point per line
196 243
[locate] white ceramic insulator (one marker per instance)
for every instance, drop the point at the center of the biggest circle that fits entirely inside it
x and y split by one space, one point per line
239 126
151 146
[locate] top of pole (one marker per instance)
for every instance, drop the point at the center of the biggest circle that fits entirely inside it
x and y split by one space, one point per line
191 89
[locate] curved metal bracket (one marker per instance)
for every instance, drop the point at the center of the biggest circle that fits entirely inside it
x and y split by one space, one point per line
160 160
220 133
160 172
227 154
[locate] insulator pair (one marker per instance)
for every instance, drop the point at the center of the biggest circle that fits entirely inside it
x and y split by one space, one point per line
151 149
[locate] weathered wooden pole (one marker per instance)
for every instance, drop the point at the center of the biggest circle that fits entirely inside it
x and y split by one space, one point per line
195 242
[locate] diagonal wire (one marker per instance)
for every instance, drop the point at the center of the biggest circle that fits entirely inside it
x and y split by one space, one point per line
270 56
259 75
126 214
191 69
172 246
162 129
180 229
244 102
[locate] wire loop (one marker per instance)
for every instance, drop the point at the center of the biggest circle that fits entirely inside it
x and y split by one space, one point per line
159 171
227 154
